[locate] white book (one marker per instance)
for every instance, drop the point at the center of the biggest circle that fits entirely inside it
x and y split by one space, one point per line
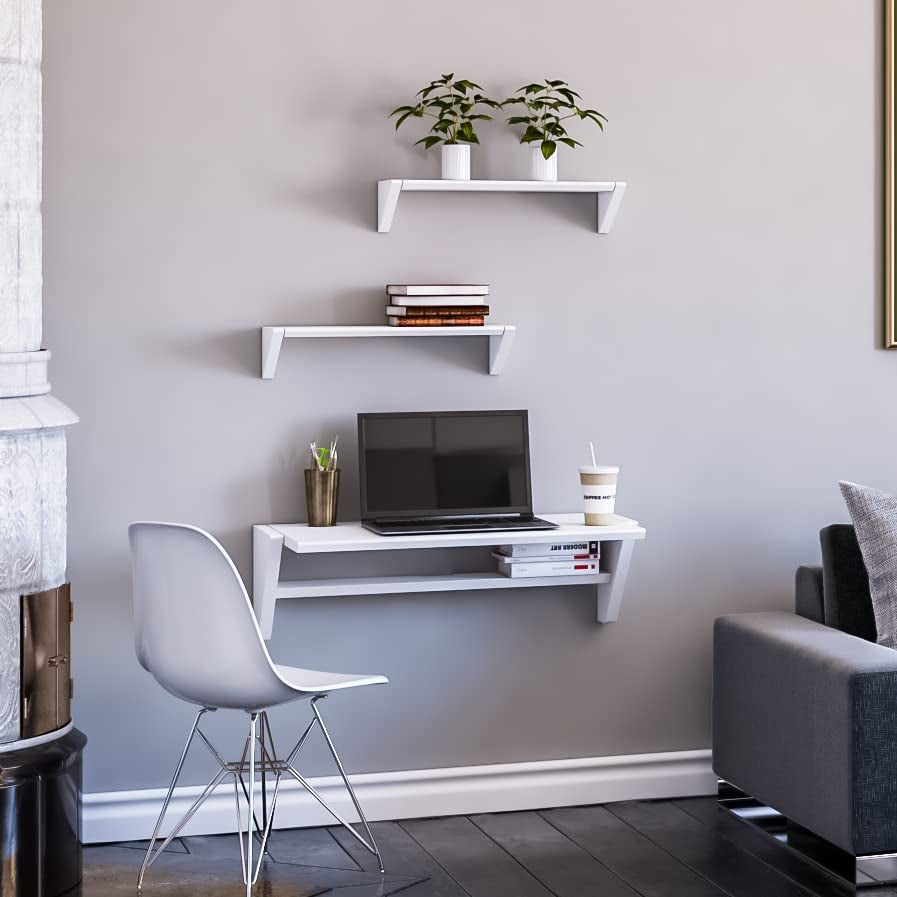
427 301
401 311
570 548
438 289
546 559
531 569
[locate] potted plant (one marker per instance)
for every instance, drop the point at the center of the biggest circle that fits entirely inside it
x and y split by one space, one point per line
455 105
546 107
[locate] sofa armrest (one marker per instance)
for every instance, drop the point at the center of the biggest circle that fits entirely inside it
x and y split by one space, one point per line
805 720
808 594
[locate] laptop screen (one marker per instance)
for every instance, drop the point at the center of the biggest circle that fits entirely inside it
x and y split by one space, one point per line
444 464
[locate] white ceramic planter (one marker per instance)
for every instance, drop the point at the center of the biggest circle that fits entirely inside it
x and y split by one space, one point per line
456 161
542 169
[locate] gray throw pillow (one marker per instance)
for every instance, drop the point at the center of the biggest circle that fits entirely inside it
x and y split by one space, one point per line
874 516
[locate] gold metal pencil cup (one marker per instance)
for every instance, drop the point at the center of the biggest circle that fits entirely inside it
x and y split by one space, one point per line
321 495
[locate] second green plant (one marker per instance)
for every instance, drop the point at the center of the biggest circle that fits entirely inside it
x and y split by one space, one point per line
547 106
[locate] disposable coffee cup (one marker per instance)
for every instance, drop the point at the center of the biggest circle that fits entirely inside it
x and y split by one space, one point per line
599 494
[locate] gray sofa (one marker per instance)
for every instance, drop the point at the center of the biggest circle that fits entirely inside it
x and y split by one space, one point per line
805 706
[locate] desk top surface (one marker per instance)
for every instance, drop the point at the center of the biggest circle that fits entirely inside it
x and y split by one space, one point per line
352 536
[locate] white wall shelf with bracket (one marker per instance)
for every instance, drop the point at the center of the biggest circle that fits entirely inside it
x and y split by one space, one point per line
271 541
609 194
500 339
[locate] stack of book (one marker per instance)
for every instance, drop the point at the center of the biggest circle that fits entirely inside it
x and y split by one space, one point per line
549 559
437 304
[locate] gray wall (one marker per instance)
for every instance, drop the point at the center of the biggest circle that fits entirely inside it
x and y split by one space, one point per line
210 167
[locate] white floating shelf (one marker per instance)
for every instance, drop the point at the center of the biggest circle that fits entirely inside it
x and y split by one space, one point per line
500 338
609 194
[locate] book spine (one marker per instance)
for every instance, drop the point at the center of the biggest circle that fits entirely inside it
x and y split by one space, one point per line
552 549
472 321
441 311
551 568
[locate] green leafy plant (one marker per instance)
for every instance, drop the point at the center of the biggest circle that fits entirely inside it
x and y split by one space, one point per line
455 104
546 107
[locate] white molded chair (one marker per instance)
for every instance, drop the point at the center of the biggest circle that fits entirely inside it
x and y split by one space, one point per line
196 632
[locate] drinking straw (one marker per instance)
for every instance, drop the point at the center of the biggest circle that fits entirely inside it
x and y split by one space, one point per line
592 447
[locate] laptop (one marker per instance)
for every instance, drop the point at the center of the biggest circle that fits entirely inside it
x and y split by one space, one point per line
448 471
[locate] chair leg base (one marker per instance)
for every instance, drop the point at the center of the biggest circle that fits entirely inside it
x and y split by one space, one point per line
856 871
259 760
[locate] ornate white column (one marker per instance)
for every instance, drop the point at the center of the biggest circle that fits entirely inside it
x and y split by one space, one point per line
32 422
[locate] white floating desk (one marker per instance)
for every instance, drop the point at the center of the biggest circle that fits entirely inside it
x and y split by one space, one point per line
270 540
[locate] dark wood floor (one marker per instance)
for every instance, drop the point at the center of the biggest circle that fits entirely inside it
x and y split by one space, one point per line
681 848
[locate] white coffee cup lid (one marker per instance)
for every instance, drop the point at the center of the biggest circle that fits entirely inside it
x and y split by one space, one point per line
599 469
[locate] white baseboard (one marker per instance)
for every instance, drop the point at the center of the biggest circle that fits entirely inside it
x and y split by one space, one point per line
130 815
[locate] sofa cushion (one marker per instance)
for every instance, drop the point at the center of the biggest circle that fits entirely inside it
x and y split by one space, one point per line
874 515
847 604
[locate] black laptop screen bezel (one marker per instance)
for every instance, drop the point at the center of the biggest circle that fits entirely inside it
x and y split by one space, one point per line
442 513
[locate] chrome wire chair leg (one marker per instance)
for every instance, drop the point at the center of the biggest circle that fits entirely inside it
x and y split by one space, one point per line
346 782
270 752
371 848
216 781
269 762
250 819
148 859
264 767
237 774
251 869
269 759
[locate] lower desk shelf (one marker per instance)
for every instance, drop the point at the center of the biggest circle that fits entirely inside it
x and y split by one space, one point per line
271 540
447 582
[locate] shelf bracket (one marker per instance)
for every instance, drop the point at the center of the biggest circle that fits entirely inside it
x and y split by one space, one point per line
272 341
387 200
267 547
608 206
615 558
499 349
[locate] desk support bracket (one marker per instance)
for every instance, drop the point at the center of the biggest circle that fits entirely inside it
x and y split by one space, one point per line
267 550
615 558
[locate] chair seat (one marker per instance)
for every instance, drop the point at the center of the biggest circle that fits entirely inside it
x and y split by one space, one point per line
317 682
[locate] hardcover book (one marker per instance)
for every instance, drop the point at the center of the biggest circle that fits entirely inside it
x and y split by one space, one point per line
577 548
551 567
470 321
447 311
437 289
434 301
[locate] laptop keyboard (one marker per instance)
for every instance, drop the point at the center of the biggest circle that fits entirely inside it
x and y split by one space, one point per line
468 526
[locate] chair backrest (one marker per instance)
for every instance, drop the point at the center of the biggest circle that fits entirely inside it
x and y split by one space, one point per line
194 626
